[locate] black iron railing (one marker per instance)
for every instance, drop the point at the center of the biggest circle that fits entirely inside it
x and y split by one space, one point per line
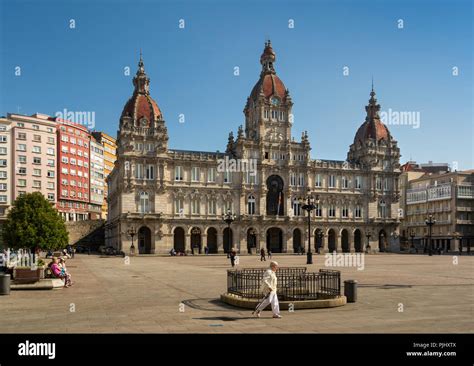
293 283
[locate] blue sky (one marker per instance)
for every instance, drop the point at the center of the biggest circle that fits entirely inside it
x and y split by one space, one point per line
192 69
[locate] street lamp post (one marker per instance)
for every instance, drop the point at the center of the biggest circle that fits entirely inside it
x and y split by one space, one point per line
132 232
367 248
228 218
430 221
308 205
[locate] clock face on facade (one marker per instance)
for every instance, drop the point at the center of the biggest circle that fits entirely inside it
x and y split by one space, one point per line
275 101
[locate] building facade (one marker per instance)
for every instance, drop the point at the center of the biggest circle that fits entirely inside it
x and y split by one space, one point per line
109 145
97 182
449 198
73 171
170 198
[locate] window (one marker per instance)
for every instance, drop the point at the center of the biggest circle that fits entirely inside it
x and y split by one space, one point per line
37 149
21 136
3 174
178 173
292 179
51 173
345 182
37 138
73 151
64 149
150 172
212 207
385 184
37 172
36 160
144 205
3 186
21 182
194 174
22 147
227 177
49 129
149 147
211 175
73 171
50 185
317 210
64 182
332 211
296 207
73 183
79 173
3 162
36 184
64 170
301 180
64 138
318 181
178 206
51 162
195 206
3 128
332 181
265 114
358 212
274 114
138 146
50 196
3 138
251 205
64 160
382 209
64 193
378 183
50 140
22 159
139 171
3 198
345 212
73 140
22 171
36 127
358 182
251 177
50 151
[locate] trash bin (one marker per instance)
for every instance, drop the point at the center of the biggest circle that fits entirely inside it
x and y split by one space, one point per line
4 284
350 290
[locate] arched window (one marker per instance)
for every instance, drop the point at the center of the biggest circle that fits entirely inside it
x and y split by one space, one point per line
144 205
296 207
251 205
382 209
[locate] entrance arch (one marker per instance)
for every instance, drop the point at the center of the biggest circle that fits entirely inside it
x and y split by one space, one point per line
275 197
212 240
144 240
297 241
345 241
331 240
275 240
228 239
382 241
318 240
196 240
178 240
358 241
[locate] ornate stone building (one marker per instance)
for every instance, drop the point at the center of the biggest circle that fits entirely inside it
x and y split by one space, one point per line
176 198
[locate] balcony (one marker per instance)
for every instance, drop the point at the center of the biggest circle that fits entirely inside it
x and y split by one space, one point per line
464 222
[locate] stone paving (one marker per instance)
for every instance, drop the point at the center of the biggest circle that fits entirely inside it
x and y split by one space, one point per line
144 296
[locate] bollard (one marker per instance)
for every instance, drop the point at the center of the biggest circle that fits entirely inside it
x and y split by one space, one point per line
350 290
4 284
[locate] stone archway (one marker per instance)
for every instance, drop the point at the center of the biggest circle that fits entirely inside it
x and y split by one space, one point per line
275 196
297 241
178 240
275 240
332 247
382 241
318 240
345 241
144 240
358 247
212 240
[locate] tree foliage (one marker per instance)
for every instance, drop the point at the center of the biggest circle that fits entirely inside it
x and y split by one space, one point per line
32 222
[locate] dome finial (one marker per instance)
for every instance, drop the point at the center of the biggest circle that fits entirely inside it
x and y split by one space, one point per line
267 58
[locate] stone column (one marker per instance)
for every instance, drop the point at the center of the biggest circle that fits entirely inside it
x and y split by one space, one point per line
284 234
187 242
324 243
338 243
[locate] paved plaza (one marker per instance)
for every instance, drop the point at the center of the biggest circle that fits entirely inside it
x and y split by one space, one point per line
147 296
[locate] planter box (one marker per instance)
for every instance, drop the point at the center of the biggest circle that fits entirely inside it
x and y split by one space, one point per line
26 275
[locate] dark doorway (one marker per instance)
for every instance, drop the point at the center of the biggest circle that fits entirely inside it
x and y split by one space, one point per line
358 241
382 241
318 240
345 241
275 240
251 240
144 240
297 241
196 242
331 241
178 240
228 240
212 240
275 197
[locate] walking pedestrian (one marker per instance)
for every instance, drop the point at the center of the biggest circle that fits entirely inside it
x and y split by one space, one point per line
262 255
233 254
269 254
269 289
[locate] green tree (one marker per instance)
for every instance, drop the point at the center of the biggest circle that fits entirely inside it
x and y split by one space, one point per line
33 222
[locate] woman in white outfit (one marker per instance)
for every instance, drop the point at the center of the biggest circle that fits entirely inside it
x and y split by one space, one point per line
269 289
